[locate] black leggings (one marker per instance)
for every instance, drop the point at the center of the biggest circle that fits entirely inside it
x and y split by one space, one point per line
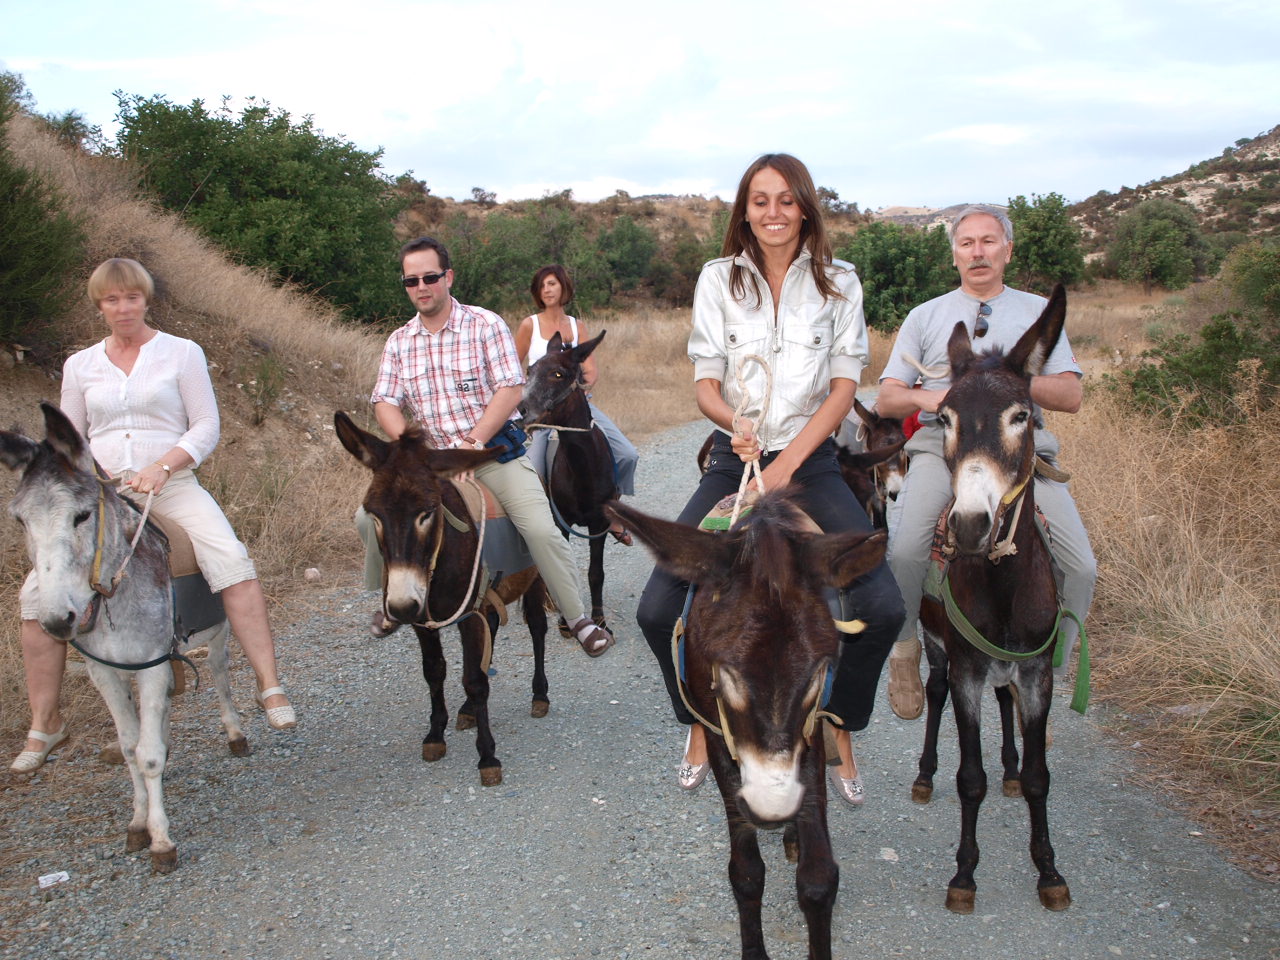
873 598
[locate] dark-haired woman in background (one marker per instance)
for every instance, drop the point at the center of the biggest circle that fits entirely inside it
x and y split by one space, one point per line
552 290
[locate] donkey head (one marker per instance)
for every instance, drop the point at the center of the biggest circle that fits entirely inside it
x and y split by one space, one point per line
554 378
882 435
988 424
404 502
56 504
760 635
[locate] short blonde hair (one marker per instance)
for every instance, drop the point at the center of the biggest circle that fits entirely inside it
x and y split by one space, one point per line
120 273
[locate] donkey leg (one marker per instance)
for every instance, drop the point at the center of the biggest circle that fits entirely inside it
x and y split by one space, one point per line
595 572
154 686
935 691
476 682
1052 888
971 784
1012 784
216 638
535 616
817 874
116 688
433 671
746 866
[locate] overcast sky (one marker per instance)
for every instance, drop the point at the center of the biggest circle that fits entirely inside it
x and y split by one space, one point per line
889 103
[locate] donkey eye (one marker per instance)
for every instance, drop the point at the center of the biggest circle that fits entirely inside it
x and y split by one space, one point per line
1020 417
558 375
80 518
944 419
423 521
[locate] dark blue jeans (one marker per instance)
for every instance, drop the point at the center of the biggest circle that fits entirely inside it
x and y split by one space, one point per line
873 598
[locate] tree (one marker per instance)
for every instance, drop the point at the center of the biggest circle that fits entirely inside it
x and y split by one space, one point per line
1159 243
278 193
41 243
1046 246
628 248
900 268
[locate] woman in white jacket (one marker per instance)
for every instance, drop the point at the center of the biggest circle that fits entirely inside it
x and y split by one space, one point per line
144 401
777 292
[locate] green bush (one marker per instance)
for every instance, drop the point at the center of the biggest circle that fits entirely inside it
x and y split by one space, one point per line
1046 247
900 268
281 195
1159 243
41 243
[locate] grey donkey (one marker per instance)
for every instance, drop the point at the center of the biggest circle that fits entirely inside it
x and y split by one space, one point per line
71 517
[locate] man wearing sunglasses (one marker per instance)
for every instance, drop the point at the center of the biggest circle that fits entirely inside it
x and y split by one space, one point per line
996 316
454 369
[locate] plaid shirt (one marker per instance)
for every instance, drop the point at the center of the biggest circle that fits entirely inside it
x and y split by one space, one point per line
445 380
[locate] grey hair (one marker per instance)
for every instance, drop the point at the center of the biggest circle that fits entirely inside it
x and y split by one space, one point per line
1001 218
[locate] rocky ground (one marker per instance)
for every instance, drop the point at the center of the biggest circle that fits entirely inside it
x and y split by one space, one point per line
337 840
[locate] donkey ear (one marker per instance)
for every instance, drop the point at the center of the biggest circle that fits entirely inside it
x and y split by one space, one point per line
556 343
364 446
870 458
583 350
1032 350
843 557
687 552
865 415
17 450
959 351
65 439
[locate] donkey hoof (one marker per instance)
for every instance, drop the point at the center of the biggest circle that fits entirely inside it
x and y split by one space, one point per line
111 754
921 792
1057 897
431 752
960 901
138 838
466 721
164 861
540 708
490 776
239 747
1012 788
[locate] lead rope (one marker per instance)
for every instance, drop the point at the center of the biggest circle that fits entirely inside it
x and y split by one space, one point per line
475 566
751 467
95 579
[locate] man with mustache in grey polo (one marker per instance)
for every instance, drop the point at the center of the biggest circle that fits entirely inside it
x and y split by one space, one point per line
996 316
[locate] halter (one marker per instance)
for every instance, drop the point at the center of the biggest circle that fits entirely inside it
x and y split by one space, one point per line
462 527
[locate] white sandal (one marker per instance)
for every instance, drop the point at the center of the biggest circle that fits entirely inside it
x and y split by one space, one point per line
278 718
29 761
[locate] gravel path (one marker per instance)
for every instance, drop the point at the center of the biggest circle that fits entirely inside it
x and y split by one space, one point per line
336 840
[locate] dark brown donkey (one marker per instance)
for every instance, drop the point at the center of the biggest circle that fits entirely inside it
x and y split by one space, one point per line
580 476
876 473
998 587
429 546
758 644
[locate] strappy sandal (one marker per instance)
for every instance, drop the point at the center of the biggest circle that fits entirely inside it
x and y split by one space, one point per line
29 761
623 536
593 639
380 626
278 718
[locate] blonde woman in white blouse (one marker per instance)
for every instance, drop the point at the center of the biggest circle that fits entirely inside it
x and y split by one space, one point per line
144 401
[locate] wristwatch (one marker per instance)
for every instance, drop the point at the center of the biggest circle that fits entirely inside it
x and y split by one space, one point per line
472 441
164 466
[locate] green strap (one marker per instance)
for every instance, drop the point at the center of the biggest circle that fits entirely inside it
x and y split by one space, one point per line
1080 697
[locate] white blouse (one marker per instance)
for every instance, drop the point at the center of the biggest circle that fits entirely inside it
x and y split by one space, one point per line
538 343
131 421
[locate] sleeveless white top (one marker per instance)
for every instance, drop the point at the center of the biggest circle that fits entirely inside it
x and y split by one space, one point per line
538 345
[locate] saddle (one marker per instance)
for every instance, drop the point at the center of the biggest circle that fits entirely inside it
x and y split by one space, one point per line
504 549
195 606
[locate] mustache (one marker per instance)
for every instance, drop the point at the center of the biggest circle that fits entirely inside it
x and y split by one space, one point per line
984 262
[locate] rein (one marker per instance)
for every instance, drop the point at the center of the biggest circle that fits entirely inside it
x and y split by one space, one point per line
561 522
435 556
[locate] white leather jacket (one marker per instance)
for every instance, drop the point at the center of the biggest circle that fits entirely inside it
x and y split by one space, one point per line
810 343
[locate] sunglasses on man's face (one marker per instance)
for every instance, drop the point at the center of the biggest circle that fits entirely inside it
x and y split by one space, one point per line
981 325
429 278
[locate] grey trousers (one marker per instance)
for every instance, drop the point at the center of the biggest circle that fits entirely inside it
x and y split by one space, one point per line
927 491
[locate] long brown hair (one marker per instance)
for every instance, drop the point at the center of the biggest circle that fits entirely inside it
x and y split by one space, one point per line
739 239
